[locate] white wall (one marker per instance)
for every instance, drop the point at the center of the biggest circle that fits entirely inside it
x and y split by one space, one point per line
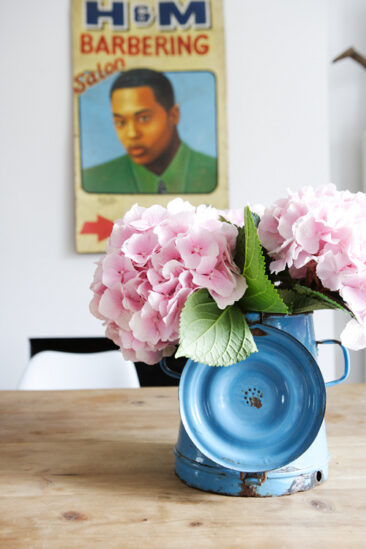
277 96
347 113
44 282
278 137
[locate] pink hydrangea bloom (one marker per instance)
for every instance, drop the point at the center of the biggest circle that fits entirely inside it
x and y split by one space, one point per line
155 258
322 232
237 216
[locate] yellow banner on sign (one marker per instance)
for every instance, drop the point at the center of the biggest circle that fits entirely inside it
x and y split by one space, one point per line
149 109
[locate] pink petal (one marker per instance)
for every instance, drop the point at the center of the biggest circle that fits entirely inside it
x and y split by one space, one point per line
110 304
150 218
237 293
196 246
117 269
139 247
354 335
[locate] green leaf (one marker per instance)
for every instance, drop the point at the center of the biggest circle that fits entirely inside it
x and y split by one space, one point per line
239 257
213 336
256 219
301 299
240 241
261 295
297 303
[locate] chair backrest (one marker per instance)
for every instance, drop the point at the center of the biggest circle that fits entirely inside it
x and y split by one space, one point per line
55 370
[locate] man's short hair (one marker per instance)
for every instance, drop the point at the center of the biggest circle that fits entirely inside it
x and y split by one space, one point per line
136 78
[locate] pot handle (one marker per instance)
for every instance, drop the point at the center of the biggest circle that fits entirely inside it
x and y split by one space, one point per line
346 361
168 371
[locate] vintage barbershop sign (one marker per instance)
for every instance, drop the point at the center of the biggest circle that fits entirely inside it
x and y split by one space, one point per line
149 109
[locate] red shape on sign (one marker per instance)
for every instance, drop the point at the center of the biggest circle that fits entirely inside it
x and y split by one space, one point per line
102 228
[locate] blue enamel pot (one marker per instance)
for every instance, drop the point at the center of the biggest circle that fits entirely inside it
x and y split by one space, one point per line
256 428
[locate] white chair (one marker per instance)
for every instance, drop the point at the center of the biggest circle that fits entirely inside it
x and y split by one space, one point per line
55 370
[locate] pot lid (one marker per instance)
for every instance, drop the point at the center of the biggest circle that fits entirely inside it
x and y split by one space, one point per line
259 414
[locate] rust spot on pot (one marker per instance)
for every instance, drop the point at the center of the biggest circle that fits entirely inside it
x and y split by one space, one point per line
247 490
249 483
262 477
74 516
258 332
253 397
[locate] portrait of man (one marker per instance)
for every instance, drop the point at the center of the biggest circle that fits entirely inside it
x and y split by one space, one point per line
156 160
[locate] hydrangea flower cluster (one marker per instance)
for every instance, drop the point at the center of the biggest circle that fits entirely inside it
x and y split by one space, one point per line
155 258
322 233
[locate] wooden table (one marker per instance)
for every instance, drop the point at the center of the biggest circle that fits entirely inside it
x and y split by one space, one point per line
96 469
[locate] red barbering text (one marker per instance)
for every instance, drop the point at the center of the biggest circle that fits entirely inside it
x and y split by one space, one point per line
159 45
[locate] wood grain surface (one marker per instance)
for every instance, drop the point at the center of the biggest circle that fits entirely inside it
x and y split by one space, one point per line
91 469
